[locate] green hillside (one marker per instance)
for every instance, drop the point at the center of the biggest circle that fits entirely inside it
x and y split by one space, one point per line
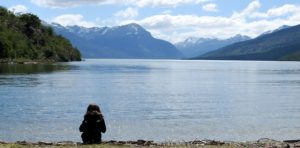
24 37
283 44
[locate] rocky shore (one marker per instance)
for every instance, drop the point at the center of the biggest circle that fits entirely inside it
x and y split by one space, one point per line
261 143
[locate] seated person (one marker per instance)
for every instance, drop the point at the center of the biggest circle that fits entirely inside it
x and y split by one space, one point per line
93 125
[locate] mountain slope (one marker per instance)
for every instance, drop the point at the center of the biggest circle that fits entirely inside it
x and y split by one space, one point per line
283 44
193 47
272 31
128 41
24 37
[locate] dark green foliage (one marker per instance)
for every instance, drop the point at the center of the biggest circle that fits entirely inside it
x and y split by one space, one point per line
30 24
24 37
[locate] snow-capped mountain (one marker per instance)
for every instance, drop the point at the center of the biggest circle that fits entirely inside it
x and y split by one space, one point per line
127 41
193 47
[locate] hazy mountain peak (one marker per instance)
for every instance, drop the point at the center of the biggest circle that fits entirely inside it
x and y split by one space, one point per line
133 29
193 46
194 40
283 27
278 29
134 26
239 36
191 40
55 25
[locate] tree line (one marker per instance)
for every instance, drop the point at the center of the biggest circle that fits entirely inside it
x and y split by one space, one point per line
23 36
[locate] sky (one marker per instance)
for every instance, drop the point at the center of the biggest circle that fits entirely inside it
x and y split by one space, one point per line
171 20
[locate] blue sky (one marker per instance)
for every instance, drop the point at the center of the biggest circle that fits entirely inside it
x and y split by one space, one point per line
172 20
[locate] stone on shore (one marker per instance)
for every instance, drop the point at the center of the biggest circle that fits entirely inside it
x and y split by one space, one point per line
261 143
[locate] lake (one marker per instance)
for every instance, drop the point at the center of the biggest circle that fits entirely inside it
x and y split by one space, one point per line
161 100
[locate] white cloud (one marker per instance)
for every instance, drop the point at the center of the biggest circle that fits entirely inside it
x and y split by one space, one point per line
72 19
139 3
164 3
211 7
70 3
278 11
250 9
128 13
166 20
167 12
176 28
18 9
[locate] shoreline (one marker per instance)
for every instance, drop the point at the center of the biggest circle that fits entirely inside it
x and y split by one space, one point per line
26 61
263 142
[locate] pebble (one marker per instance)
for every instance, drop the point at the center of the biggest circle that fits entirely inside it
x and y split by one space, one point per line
261 143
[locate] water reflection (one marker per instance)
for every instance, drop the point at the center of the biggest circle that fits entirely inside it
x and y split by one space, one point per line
19 81
284 71
27 75
114 68
31 68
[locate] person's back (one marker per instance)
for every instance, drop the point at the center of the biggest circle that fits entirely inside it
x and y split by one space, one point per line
92 125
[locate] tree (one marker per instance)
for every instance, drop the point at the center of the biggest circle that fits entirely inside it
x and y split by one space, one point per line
23 36
31 23
3 11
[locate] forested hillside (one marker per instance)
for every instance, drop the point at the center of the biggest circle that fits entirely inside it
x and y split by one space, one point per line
24 37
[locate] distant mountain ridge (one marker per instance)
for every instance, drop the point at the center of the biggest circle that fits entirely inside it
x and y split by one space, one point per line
193 47
282 44
127 41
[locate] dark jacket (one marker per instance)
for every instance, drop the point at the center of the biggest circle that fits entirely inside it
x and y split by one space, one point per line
92 126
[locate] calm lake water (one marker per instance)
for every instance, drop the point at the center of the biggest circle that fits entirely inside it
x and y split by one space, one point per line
161 100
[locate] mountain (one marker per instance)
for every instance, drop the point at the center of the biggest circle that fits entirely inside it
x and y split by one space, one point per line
283 44
128 41
278 29
193 47
23 37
